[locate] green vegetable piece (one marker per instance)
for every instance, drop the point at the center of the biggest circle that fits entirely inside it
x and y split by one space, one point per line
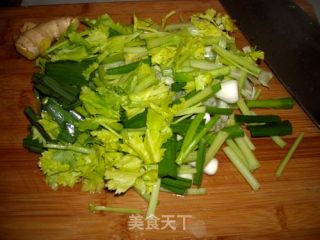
280 103
271 129
96 208
154 198
68 72
216 110
179 183
289 155
242 168
237 60
138 121
201 156
127 68
194 126
168 166
183 154
234 131
176 190
33 118
183 77
32 144
256 118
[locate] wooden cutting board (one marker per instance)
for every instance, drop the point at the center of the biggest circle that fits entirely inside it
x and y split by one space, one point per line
283 208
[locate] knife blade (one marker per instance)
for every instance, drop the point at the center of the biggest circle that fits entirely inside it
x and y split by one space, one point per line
291 42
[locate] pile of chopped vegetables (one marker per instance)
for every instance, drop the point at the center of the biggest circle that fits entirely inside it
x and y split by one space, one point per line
148 106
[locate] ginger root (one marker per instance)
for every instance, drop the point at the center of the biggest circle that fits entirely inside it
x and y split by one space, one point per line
35 39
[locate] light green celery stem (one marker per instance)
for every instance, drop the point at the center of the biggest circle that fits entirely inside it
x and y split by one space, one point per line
243 107
288 156
172 38
81 111
140 50
242 79
191 157
191 111
62 43
97 82
203 64
249 142
101 73
196 191
186 169
102 56
257 94
144 195
145 83
208 91
183 154
237 60
94 208
279 141
249 155
215 146
242 168
191 131
208 41
154 199
164 20
111 130
237 151
153 35
182 118
69 147
177 26
222 71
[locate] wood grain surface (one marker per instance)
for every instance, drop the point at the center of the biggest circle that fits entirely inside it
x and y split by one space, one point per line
284 208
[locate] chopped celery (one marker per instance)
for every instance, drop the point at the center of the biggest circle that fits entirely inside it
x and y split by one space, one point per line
216 145
288 156
249 155
242 168
95 208
154 198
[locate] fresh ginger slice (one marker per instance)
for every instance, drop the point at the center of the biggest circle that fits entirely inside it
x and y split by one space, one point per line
35 40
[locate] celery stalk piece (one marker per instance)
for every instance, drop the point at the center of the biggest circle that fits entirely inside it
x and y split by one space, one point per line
243 107
242 79
279 141
249 142
253 162
196 191
288 156
242 168
191 111
94 208
154 199
205 93
144 195
183 169
237 151
216 145
69 147
191 132
257 94
237 60
183 154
